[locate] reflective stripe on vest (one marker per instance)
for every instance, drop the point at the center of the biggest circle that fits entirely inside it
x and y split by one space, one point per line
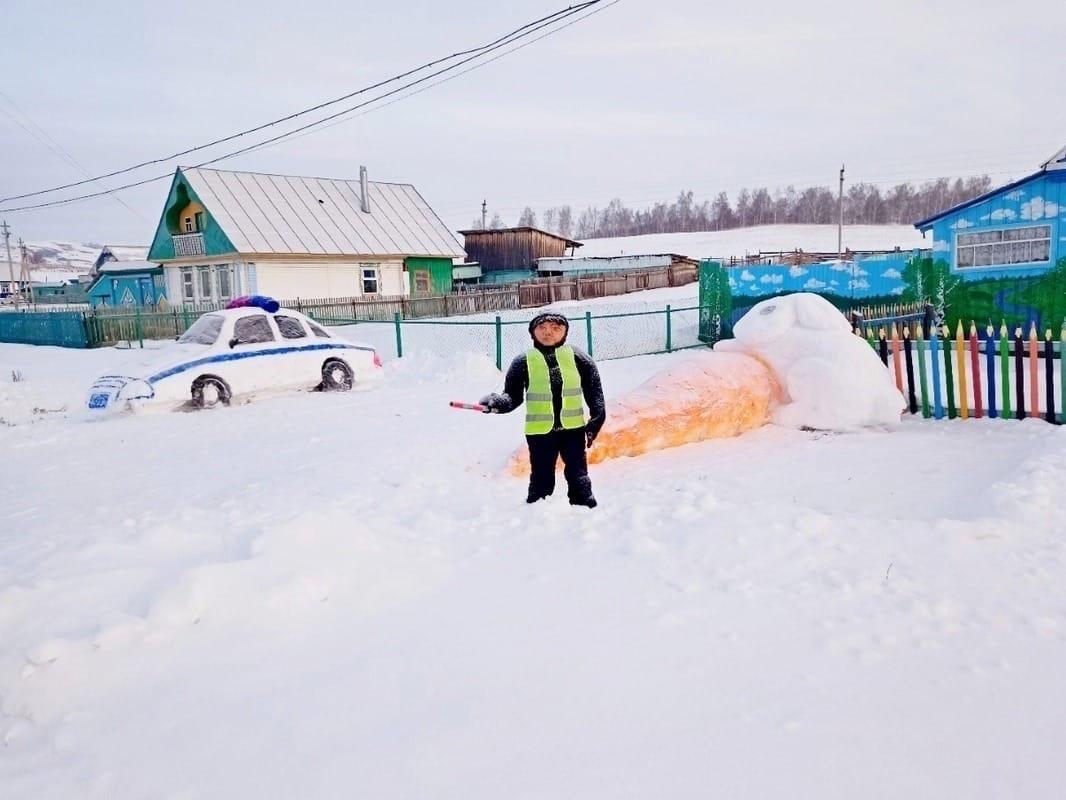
540 413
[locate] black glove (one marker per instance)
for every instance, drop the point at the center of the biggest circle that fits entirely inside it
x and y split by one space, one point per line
590 437
492 402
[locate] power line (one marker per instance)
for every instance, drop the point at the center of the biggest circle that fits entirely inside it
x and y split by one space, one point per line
348 115
514 35
539 25
42 136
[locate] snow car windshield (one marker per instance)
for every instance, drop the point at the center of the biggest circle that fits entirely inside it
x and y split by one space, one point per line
204 331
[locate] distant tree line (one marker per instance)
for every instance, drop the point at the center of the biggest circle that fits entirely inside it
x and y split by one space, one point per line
864 203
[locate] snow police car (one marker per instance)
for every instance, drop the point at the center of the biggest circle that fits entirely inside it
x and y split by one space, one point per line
236 352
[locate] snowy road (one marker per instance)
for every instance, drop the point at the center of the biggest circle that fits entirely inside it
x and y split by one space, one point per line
324 596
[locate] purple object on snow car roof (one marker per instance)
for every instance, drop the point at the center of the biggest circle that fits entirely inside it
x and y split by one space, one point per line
268 304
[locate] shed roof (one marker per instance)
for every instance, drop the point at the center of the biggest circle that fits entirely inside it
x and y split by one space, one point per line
265 213
519 229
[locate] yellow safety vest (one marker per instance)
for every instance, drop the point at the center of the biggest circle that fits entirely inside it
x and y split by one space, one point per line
540 412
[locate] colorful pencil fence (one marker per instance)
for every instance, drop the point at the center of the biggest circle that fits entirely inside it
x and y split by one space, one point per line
973 374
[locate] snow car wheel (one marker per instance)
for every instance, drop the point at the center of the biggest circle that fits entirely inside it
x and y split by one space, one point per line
336 376
210 392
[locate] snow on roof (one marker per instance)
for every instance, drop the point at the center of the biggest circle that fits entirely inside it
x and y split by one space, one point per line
127 266
263 213
51 275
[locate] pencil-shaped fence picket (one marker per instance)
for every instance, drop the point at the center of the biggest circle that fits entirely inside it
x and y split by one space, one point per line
973 374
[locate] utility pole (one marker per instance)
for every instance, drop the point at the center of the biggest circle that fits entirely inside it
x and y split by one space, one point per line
840 226
25 276
484 214
6 230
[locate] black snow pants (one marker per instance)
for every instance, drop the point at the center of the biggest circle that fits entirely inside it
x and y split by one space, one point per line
544 452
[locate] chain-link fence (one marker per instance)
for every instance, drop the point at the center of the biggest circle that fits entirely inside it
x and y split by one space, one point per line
606 335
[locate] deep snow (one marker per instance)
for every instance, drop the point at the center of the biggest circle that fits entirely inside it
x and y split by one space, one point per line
342 596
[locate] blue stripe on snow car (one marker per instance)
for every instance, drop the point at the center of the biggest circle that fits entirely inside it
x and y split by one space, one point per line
277 351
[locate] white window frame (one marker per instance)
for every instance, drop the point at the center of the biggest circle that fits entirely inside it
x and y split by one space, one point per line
189 227
991 245
374 275
187 297
208 296
220 270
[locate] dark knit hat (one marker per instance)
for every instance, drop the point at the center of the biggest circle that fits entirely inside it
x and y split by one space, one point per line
548 316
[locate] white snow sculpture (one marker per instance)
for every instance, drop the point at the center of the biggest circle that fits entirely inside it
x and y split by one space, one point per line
831 378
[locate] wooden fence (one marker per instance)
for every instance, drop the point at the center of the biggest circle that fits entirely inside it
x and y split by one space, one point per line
976 374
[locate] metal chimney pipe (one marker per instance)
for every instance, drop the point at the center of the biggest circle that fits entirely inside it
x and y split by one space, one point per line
364 195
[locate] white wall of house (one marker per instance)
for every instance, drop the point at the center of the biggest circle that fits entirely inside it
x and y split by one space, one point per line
284 279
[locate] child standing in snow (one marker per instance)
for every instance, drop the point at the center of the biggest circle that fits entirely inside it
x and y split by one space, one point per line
553 377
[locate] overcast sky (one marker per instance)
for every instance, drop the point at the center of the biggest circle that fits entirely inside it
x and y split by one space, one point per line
637 102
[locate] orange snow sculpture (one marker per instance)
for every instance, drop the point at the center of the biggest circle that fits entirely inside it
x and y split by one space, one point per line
710 396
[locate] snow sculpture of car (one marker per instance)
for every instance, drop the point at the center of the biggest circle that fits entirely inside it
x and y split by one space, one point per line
237 352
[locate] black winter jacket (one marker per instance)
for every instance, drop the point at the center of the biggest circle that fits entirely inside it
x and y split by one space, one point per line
517 381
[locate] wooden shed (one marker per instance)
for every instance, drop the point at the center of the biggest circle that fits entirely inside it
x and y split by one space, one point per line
514 249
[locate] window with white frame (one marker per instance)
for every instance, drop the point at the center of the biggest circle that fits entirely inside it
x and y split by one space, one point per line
225 282
371 282
188 287
206 289
1004 247
188 225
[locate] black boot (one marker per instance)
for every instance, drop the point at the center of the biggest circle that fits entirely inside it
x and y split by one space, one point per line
589 501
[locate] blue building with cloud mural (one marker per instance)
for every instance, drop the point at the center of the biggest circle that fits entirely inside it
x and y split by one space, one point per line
1017 230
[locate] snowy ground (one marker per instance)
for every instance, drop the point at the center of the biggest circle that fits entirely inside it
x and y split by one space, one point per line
324 596
740 242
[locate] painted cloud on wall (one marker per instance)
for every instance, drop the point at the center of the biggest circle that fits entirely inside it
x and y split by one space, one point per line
775 279
814 283
797 272
892 273
1003 214
1017 194
961 223
1038 209
747 276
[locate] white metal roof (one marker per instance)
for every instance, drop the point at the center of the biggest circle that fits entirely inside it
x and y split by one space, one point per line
262 213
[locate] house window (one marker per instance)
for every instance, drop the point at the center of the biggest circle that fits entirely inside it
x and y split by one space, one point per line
253 281
188 225
422 281
206 293
1031 245
225 286
188 289
370 280
199 220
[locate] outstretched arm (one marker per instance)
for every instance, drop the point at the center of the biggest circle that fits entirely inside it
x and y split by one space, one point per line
514 388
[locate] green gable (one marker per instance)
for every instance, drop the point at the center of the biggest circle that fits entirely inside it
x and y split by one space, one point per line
216 243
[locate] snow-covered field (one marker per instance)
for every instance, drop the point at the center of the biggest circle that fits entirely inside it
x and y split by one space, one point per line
322 596
767 238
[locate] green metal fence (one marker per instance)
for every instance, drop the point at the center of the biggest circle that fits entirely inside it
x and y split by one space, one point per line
603 336
61 329
500 337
